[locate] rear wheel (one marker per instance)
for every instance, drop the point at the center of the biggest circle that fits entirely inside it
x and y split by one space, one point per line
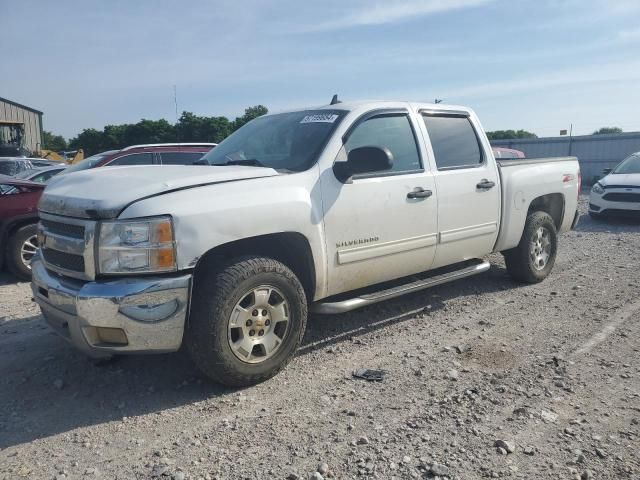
247 320
532 260
23 245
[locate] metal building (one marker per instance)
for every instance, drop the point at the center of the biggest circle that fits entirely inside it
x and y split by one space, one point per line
21 124
594 152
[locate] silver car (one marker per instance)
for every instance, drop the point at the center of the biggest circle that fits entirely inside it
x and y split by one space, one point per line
618 192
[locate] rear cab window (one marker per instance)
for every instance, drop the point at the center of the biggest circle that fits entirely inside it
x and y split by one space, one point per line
454 141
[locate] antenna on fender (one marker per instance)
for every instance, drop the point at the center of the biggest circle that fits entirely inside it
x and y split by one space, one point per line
335 100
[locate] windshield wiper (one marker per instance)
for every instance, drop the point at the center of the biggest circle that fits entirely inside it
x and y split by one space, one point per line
250 162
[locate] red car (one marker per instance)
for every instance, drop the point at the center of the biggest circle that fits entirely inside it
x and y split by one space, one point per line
507 153
18 219
153 154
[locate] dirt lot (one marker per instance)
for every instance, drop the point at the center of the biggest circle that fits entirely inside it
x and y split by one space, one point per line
551 370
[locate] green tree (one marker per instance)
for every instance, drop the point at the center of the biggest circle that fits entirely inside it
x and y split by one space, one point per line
53 142
189 128
148 131
192 128
510 134
249 114
90 139
605 130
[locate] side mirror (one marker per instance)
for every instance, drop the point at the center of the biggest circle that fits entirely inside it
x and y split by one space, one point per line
607 171
363 160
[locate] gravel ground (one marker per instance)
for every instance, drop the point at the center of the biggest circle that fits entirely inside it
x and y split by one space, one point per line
485 379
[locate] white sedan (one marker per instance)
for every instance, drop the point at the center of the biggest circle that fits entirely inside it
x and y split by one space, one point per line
618 193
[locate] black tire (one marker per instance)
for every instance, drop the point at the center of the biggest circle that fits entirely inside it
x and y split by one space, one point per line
215 294
14 255
520 263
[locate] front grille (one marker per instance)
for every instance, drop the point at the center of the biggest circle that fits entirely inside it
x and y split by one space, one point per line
622 197
65 229
67 245
67 261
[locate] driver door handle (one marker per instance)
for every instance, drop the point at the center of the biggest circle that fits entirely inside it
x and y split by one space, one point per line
419 193
485 184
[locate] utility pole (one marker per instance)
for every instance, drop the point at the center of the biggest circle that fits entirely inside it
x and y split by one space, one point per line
570 138
175 100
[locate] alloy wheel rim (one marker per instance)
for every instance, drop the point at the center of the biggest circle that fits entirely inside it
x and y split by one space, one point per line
540 248
259 324
28 250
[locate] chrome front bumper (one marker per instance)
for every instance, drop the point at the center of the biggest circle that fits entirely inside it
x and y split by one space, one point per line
149 311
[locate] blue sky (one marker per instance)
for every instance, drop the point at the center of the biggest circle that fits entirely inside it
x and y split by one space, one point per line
538 65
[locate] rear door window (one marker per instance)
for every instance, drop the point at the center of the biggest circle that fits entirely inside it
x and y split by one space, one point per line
454 141
180 158
133 159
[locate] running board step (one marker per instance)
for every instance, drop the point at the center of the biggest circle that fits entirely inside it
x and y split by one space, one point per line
333 307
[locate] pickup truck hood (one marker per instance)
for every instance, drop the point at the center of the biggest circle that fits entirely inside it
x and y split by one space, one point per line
105 192
625 179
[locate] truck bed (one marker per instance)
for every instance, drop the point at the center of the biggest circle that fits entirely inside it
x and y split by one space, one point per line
529 180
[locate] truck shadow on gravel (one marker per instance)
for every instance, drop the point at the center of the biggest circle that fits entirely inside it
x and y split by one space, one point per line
325 331
8 279
47 388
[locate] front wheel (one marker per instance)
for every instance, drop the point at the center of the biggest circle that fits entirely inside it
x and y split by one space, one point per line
532 260
247 320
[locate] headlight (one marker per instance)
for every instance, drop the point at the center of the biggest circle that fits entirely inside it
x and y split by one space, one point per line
597 188
137 246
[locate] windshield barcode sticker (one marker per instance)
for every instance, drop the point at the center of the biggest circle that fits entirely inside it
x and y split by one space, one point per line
320 118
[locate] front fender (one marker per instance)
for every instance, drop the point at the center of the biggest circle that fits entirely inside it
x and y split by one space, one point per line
209 216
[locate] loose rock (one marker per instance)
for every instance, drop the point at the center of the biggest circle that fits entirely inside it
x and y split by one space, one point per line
437 469
509 447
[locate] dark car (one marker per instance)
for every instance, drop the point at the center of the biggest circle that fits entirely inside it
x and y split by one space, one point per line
7 150
13 166
18 219
155 154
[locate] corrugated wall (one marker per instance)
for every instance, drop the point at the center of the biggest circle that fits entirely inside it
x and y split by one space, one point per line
31 120
594 152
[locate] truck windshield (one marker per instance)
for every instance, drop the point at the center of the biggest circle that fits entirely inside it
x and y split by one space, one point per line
630 164
286 141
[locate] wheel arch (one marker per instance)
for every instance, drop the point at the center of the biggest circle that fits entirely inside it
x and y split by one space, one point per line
291 248
551 203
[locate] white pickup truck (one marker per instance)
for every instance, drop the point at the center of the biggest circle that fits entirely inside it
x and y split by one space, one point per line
325 209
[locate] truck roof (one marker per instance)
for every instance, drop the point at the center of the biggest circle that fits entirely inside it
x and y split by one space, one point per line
375 104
